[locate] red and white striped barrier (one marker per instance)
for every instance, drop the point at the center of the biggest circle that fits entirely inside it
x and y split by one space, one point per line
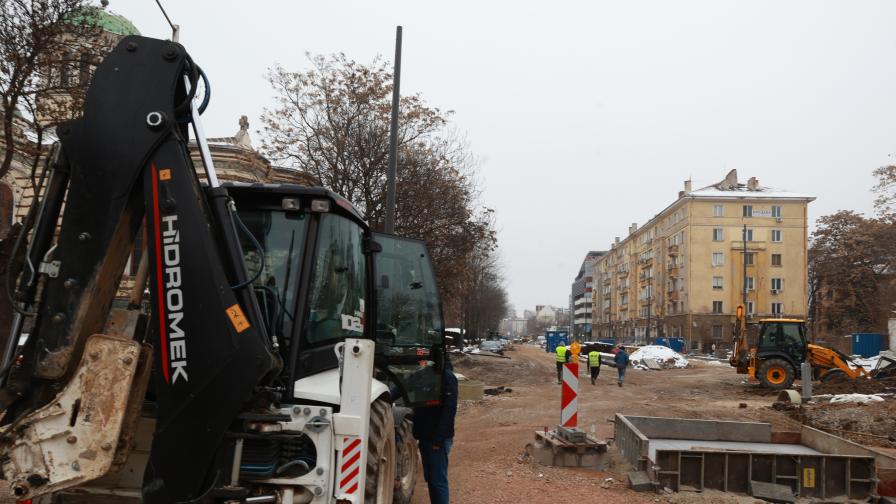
569 398
350 465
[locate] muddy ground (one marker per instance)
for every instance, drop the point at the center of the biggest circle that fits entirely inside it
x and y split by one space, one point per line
486 464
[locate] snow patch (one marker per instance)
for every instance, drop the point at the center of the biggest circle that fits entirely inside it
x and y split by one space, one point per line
664 356
856 398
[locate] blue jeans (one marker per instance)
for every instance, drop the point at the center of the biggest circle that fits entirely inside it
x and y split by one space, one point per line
435 469
621 372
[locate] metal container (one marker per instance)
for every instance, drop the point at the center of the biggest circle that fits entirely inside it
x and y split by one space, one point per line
554 339
867 344
676 344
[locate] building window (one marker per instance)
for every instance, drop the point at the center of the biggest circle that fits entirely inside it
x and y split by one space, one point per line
777 284
747 234
718 258
776 235
717 234
776 210
777 308
749 283
717 332
718 211
716 282
748 210
776 259
750 308
749 258
717 307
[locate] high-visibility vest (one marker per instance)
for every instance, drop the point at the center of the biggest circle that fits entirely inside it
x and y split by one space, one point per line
561 353
593 359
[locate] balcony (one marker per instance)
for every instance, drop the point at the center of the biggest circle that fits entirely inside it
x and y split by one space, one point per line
607 280
672 295
673 250
646 260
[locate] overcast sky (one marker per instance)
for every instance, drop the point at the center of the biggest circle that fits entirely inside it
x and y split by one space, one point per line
589 116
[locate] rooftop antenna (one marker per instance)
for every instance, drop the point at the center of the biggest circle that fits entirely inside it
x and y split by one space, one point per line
175 29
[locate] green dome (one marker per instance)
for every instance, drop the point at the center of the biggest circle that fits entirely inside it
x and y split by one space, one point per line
107 21
114 23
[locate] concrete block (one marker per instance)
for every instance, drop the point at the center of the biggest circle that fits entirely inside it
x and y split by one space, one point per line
652 364
469 390
639 481
771 492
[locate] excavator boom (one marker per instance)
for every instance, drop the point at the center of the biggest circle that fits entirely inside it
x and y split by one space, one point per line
126 162
829 360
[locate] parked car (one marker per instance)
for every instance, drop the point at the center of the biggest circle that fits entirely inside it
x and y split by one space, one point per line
492 346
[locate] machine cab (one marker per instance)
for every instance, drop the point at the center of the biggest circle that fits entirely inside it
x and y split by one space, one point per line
320 276
782 336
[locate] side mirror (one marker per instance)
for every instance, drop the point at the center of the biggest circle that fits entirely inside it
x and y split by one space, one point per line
371 246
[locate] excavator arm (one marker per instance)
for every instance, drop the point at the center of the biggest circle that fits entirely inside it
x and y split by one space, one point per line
830 361
70 391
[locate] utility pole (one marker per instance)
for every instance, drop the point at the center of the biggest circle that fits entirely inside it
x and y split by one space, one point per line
393 137
745 268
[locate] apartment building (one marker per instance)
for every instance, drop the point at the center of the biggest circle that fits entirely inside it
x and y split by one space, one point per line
685 271
580 299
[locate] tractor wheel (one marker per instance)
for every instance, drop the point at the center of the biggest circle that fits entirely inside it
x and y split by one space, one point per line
835 376
405 462
379 484
775 374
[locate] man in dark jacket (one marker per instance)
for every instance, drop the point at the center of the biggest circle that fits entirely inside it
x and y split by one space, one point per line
621 361
434 430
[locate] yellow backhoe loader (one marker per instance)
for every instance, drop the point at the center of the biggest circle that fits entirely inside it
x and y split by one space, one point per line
780 350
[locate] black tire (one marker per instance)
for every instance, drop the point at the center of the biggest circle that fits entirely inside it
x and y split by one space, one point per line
835 376
776 374
405 462
379 484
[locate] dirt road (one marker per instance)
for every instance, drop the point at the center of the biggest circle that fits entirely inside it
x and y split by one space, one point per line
491 434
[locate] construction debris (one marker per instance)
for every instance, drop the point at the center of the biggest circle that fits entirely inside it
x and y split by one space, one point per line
639 481
771 492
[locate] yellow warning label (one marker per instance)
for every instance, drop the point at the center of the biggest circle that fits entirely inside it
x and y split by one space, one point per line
237 318
808 477
165 174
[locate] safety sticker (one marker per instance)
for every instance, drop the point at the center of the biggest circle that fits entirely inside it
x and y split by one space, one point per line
350 323
165 174
237 318
808 477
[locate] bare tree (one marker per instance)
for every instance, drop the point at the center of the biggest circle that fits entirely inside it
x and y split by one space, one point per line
41 45
851 273
332 121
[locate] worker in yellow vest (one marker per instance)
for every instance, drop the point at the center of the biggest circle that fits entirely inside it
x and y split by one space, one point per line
562 358
594 364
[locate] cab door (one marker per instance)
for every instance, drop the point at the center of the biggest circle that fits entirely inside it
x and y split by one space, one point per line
408 317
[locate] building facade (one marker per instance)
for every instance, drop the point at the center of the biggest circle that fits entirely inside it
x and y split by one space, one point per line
580 299
685 271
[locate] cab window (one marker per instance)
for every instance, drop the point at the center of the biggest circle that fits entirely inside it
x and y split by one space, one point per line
338 281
